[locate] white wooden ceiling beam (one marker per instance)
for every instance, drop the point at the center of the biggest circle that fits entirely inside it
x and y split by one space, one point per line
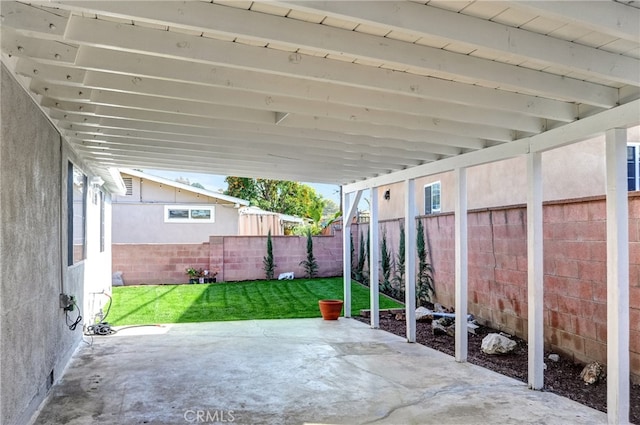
393 90
440 143
169 44
230 154
623 116
223 146
379 110
324 147
266 107
614 18
181 124
212 164
20 45
503 39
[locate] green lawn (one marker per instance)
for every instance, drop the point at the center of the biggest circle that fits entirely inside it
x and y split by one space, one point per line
152 304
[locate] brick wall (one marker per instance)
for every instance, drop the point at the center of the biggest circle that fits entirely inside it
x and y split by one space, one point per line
575 310
158 263
235 258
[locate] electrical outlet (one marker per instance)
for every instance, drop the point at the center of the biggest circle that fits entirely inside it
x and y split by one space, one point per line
66 302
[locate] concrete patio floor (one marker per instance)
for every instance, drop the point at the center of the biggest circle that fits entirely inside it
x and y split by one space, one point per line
303 371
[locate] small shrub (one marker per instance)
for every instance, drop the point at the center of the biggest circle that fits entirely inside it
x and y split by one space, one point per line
425 289
398 281
310 264
385 264
269 266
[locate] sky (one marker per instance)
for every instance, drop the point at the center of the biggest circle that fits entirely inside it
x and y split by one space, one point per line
214 182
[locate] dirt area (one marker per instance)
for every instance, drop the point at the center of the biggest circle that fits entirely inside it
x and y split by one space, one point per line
562 377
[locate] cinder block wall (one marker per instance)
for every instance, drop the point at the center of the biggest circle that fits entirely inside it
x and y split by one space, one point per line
235 258
575 310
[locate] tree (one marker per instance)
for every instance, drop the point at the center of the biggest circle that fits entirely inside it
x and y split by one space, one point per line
310 264
198 185
425 285
385 264
398 278
279 196
267 261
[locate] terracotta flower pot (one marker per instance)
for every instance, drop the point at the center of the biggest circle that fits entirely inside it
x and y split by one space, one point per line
330 309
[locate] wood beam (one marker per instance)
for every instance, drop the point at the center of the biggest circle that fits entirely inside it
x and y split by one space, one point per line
461 265
169 44
410 213
617 277
623 116
535 257
374 258
499 38
391 92
613 18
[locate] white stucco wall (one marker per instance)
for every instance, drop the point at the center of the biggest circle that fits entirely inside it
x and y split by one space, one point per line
139 218
35 341
573 171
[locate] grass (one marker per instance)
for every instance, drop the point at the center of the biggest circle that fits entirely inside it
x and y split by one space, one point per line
154 304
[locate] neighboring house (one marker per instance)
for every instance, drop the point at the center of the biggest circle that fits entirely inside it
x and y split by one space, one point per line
158 210
574 171
254 221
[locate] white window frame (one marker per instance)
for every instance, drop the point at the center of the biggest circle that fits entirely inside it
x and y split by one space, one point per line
191 209
637 163
424 191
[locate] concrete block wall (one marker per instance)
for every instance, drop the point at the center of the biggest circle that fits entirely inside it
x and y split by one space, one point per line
235 258
158 263
575 310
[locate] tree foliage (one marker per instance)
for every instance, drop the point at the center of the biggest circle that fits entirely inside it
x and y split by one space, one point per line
425 288
279 196
310 264
267 261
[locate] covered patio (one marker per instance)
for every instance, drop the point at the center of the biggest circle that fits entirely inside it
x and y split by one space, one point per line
294 371
349 93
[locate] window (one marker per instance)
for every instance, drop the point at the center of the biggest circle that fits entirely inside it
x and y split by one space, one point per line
189 214
633 167
432 198
76 212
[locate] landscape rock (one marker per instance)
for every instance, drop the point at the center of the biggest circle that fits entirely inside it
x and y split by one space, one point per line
554 357
497 344
592 373
444 326
471 327
423 314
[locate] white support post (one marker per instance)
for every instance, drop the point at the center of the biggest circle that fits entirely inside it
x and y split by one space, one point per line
536 272
461 264
346 252
617 278
374 256
349 210
410 258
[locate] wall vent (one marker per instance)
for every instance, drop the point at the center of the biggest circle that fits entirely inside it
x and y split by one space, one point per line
128 183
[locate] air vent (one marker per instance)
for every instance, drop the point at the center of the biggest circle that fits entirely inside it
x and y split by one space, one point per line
128 183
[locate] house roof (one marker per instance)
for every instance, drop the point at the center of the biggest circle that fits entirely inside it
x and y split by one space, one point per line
331 92
182 186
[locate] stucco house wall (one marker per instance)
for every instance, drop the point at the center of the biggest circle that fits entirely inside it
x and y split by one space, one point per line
35 342
573 171
140 217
